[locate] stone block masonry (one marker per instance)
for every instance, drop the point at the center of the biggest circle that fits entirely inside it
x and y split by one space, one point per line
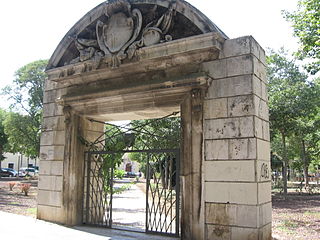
50 202
58 166
237 181
218 85
170 59
225 171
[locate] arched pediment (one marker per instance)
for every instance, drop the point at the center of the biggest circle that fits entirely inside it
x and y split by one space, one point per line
115 29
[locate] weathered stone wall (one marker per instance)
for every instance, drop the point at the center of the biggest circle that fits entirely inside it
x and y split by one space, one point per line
236 144
225 168
51 156
60 193
191 167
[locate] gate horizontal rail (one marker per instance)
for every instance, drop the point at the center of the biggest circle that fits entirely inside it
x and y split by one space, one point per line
135 151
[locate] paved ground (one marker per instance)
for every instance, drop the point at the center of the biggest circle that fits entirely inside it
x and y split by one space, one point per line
129 207
16 227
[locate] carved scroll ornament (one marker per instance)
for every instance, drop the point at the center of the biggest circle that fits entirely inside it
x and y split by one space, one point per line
121 35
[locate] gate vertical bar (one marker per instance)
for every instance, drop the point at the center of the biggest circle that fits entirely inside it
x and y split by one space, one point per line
84 181
178 194
111 191
147 192
88 162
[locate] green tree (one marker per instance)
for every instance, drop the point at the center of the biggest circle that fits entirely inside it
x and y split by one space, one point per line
26 97
306 24
158 134
285 102
3 136
307 125
23 134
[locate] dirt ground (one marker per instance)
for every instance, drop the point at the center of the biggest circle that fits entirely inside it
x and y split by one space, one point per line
296 217
15 201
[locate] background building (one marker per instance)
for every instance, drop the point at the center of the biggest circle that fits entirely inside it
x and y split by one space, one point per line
17 161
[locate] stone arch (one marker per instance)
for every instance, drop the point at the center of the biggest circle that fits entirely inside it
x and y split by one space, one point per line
218 85
198 21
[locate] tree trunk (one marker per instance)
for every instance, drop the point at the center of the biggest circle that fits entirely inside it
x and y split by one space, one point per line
162 174
19 165
305 163
285 166
1 155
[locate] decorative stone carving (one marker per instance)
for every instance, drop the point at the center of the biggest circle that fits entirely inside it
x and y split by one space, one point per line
88 49
117 36
119 32
155 32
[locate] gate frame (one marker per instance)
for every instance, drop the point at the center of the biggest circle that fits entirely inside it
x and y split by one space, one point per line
88 156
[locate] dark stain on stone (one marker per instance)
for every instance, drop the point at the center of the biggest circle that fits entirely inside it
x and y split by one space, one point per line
232 126
246 108
219 231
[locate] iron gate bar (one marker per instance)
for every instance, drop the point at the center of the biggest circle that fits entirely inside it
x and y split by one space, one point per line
141 131
147 193
137 151
165 228
129 129
157 208
178 194
88 184
97 218
162 209
111 194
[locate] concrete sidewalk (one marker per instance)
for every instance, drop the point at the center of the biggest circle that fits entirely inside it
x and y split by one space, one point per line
16 227
133 215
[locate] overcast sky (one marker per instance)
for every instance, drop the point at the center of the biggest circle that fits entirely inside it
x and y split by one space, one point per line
31 30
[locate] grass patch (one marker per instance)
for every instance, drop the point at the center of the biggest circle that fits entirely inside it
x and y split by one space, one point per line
14 203
313 214
122 188
288 226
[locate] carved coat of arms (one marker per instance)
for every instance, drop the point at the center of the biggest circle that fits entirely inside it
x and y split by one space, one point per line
121 34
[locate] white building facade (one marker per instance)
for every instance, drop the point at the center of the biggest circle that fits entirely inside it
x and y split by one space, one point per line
17 161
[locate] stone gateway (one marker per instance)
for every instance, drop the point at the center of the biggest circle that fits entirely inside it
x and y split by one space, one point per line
143 59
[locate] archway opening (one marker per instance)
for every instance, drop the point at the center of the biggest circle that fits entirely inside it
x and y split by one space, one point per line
147 199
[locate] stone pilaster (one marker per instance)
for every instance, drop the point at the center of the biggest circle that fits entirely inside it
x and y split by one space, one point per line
60 194
192 207
236 144
50 188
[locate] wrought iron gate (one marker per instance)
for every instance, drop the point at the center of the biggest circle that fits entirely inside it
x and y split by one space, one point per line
162 210
162 181
97 191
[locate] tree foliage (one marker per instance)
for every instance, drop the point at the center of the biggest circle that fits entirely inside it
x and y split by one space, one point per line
3 135
138 135
306 26
115 141
285 84
26 92
155 134
23 134
26 97
160 134
294 106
